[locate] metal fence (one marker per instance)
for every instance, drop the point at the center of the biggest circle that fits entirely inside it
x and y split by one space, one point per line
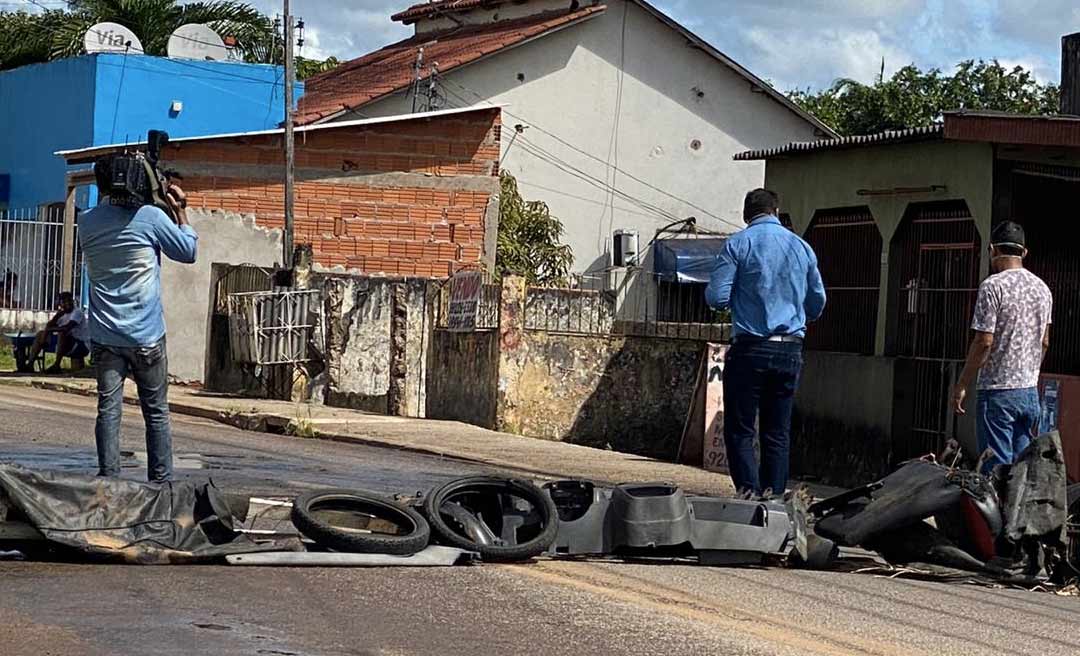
625 301
32 258
274 327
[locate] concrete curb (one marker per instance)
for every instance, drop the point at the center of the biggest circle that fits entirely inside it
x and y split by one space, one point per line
280 424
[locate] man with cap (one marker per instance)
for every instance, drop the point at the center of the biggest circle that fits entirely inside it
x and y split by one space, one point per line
1012 332
769 278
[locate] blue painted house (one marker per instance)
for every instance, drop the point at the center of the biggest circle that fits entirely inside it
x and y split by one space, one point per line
111 98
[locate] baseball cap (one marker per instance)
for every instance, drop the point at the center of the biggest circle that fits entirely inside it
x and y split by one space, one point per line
1008 233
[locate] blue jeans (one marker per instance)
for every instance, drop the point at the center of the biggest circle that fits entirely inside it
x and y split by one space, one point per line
1006 420
760 379
148 367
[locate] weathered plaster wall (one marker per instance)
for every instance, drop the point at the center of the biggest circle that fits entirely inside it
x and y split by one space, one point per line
225 237
630 394
462 377
378 337
627 393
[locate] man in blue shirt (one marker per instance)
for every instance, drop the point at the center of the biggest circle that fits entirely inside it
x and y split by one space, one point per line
122 241
769 278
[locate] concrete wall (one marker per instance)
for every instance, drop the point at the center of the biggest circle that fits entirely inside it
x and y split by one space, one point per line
462 377
627 393
570 89
378 333
43 108
223 237
134 93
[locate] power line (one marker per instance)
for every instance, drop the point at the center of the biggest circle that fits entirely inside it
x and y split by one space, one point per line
592 156
564 166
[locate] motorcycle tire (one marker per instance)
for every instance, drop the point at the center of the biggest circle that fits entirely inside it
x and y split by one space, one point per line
413 537
482 485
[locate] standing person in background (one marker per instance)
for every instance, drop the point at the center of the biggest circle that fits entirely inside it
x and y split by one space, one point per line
122 240
1012 333
769 278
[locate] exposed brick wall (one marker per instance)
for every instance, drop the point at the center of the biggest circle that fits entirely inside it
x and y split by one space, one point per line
427 221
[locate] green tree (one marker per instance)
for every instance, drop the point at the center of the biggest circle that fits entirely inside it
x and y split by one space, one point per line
27 38
528 243
915 98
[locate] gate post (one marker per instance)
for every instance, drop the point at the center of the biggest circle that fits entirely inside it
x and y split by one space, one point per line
67 271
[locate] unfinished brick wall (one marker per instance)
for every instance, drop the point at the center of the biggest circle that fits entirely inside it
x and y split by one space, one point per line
404 197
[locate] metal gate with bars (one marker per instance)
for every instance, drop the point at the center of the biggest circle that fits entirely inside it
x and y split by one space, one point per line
32 258
936 253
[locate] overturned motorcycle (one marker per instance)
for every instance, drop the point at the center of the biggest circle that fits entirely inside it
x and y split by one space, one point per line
1009 526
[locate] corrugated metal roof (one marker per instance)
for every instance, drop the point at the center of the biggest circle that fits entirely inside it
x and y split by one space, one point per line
888 137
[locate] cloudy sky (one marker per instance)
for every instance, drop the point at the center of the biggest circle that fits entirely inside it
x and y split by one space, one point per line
793 43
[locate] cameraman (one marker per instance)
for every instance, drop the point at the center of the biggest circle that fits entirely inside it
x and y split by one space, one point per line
122 242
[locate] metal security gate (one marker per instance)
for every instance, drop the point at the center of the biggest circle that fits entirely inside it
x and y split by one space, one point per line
32 256
939 254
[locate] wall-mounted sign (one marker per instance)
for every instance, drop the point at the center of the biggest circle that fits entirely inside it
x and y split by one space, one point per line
465 288
111 37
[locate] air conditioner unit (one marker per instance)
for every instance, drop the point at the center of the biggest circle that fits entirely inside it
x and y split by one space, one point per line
624 250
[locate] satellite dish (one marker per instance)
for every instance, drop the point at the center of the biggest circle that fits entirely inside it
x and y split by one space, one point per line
195 41
111 37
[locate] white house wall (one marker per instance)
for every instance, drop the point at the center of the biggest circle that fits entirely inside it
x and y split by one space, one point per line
570 89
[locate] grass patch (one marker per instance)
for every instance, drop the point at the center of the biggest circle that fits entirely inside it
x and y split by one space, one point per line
7 356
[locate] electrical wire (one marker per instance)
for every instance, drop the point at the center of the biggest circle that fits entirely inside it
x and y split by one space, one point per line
119 92
603 185
612 165
571 146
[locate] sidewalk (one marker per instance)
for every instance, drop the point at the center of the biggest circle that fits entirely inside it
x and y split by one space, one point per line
448 439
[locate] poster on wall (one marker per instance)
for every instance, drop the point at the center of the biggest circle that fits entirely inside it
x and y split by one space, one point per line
702 441
465 288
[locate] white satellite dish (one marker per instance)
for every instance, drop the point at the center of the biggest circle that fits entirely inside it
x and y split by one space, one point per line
111 37
195 41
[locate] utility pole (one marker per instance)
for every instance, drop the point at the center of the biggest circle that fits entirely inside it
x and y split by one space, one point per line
290 74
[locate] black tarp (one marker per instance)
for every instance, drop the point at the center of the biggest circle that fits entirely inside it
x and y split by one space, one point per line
116 519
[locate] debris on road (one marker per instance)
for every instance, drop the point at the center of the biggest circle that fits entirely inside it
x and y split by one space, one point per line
96 518
932 519
430 556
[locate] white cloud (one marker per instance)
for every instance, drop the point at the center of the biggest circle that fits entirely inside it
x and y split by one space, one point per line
787 57
793 43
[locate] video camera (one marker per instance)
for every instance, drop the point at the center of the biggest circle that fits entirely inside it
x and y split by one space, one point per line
134 178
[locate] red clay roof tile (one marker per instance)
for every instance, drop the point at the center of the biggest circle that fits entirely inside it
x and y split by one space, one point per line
391 69
425 9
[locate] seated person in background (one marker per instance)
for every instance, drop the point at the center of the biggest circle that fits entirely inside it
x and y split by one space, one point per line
72 337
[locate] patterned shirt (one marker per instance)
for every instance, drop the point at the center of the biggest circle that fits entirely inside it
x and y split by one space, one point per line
1015 306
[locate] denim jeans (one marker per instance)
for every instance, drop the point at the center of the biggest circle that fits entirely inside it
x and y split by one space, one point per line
148 367
760 379
1006 420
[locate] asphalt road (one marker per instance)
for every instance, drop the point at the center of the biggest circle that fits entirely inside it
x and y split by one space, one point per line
544 608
